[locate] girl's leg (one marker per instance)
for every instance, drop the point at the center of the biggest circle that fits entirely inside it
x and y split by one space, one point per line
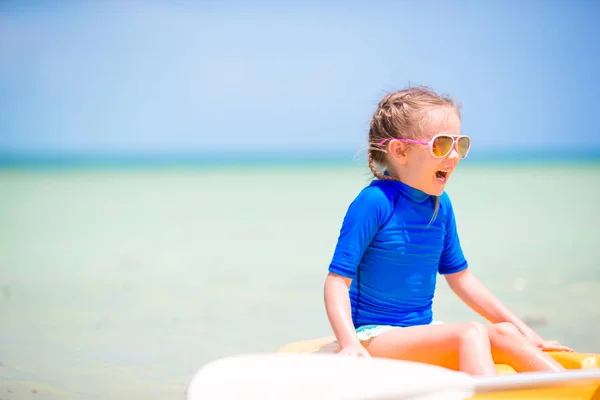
509 346
461 346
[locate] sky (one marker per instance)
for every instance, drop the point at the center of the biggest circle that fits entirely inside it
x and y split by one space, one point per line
286 77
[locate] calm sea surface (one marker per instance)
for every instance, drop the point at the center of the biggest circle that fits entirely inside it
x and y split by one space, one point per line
120 283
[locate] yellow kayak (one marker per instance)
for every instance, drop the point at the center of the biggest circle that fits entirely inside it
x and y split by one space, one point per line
581 391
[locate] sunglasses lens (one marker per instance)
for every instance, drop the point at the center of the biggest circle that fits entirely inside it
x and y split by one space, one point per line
464 144
442 146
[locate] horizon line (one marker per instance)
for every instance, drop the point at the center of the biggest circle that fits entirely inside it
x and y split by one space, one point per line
218 159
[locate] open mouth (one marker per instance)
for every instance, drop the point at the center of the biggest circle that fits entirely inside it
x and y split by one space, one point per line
442 175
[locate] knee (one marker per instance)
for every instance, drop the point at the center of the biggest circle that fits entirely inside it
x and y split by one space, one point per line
505 329
474 332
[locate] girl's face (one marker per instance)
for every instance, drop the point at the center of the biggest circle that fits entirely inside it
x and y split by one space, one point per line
417 166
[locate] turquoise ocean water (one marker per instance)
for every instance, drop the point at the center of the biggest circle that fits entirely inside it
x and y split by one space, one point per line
119 283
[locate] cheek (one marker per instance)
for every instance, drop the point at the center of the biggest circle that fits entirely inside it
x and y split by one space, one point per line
424 164
425 158
421 155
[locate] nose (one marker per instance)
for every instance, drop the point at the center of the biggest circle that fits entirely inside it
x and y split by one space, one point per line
453 155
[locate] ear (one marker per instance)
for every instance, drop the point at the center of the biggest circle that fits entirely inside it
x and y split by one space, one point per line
398 151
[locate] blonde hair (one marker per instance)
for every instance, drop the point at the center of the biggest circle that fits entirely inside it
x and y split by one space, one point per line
401 115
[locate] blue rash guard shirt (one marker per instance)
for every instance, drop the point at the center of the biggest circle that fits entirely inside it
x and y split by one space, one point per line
392 253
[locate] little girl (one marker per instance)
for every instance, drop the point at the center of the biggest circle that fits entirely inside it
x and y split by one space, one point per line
398 233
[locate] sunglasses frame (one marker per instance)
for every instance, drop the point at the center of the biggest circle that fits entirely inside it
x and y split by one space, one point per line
455 139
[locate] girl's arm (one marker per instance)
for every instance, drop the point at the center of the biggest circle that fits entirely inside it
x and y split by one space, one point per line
363 219
337 306
481 300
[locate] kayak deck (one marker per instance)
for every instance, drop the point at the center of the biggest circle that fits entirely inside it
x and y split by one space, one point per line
581 391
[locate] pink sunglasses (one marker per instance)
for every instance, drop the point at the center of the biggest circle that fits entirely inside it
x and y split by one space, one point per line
441 145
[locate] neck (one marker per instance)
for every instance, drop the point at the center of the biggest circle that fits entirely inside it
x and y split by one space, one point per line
399 175
394 173
410 191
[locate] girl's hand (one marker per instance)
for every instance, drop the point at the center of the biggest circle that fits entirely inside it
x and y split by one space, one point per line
355 350
549 345
552 345
544 345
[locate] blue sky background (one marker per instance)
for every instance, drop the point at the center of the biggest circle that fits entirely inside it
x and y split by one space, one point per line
289 77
